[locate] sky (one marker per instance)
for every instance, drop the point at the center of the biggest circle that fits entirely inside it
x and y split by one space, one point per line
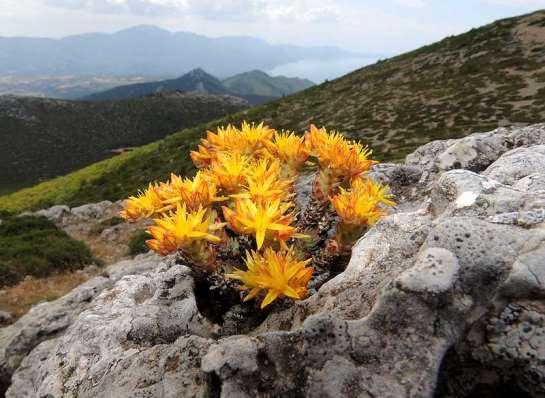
370 26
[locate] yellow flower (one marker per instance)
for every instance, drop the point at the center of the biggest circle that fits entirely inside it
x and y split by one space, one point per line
346 159
264 220
229 170
264 183
183 230
278 273
340 160
250 140
354 161
374 190
292 150
360 205
255 137
323 145
202 157
200 191
145 204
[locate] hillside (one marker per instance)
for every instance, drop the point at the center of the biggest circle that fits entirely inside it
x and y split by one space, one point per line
256 87
148 51
44 138
196 80
488 77
257 82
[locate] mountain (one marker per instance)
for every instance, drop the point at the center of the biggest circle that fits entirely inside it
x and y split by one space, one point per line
148 51
196 80
44 138
256 86
488 77
257 82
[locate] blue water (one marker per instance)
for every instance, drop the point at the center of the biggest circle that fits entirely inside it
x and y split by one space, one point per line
319 70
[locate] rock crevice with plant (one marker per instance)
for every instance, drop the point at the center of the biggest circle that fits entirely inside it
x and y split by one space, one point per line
245 187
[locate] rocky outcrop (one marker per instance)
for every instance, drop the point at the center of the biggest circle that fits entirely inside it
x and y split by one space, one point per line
444 297
48 320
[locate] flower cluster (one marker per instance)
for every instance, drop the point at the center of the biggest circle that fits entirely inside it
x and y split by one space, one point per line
359 207
245 186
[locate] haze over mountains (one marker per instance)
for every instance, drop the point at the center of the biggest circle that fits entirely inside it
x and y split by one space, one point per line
148 51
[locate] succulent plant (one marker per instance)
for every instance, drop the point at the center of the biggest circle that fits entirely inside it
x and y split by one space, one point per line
251 172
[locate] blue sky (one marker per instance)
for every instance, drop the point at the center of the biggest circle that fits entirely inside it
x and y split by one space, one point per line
380 26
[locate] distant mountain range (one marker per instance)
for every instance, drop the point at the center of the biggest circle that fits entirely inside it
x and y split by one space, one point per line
256 87
148 51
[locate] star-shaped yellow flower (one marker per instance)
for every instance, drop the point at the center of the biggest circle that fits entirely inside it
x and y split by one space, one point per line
276 273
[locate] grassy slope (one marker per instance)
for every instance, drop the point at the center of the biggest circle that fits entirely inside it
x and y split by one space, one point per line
488 77
45 138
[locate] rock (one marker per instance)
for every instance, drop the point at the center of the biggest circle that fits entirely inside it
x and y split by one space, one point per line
444 297
111 233
149 343
527 277
92 210
5 318
531 183
54 213
517 164
435 273
49 319
477 151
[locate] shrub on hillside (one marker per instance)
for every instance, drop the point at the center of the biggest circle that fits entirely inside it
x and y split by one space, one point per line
137 243
36 246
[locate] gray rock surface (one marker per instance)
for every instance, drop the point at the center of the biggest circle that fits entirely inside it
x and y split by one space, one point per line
444 297
54 213
58 213
5 318
49 319
92 210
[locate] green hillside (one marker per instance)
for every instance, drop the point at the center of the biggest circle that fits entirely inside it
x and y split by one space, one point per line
196 80
44 138
488 77
257 82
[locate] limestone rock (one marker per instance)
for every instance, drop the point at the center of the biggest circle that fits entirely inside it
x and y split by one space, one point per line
531 183
517 164
130 342
5 318
93 210
54 213
49 319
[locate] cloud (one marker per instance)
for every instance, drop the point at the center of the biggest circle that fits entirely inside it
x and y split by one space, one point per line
516 3
411 3
139 7
294 10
